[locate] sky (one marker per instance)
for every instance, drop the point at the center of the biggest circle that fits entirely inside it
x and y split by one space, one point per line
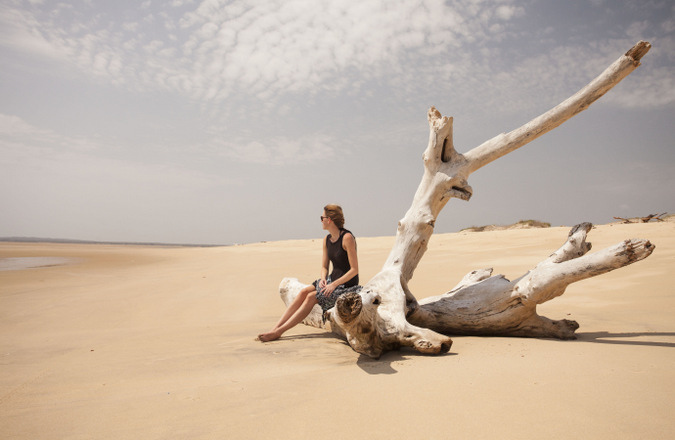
222 122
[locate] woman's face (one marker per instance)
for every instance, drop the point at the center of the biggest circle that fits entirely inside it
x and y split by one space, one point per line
325 220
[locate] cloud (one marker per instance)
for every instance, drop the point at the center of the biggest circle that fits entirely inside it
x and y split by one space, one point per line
16 135
21 32
220 49
506 12
655 88
38 151
275 150
227 55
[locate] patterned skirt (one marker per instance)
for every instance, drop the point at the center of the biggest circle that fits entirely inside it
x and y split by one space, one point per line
328 302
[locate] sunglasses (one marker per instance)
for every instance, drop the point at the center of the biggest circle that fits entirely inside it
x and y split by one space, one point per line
322 217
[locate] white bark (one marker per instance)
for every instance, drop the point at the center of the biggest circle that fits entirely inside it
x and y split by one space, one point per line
374 321
496 306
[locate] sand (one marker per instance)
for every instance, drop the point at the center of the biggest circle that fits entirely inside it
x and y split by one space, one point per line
133 342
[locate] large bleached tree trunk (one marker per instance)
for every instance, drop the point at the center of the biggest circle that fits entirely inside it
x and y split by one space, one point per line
385 315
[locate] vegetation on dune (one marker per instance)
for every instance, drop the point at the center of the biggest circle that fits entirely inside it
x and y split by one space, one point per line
522 224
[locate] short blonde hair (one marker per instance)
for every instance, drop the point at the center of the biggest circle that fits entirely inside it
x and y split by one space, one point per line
335 214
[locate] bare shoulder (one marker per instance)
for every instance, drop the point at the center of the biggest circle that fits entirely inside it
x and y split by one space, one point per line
348 239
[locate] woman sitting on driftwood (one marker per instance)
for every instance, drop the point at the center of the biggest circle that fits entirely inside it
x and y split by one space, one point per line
339 249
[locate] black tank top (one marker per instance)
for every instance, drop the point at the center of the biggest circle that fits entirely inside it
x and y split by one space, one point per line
338 256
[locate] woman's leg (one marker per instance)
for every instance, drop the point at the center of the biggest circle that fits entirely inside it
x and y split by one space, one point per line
295 305
300 313
293 308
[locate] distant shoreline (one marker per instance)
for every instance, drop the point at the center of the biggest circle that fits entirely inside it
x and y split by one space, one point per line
119 243
22 263
522 224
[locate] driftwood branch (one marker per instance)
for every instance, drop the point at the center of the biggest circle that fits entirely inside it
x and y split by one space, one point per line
646 219
496 306
386 314
505 143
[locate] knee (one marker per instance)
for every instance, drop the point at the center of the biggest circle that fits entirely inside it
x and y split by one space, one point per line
307 291
309 302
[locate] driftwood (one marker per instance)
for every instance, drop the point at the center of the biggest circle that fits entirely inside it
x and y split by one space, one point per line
646 219
385 315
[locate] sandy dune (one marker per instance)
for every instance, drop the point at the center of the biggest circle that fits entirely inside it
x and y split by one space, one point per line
128 342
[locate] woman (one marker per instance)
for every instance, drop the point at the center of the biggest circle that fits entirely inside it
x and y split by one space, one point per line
339 249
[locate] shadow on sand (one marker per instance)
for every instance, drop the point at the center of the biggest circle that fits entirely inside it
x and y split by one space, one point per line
621 338
385 364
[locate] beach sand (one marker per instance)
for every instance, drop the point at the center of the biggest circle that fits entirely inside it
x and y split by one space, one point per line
134 342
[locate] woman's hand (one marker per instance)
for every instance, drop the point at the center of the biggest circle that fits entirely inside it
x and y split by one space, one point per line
322 283
329 289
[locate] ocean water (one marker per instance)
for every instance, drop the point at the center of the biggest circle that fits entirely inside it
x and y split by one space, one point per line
20 263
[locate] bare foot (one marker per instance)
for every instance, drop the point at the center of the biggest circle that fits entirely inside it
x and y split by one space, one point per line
270 336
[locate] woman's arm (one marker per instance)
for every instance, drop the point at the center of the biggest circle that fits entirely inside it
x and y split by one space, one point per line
324 265
349 245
